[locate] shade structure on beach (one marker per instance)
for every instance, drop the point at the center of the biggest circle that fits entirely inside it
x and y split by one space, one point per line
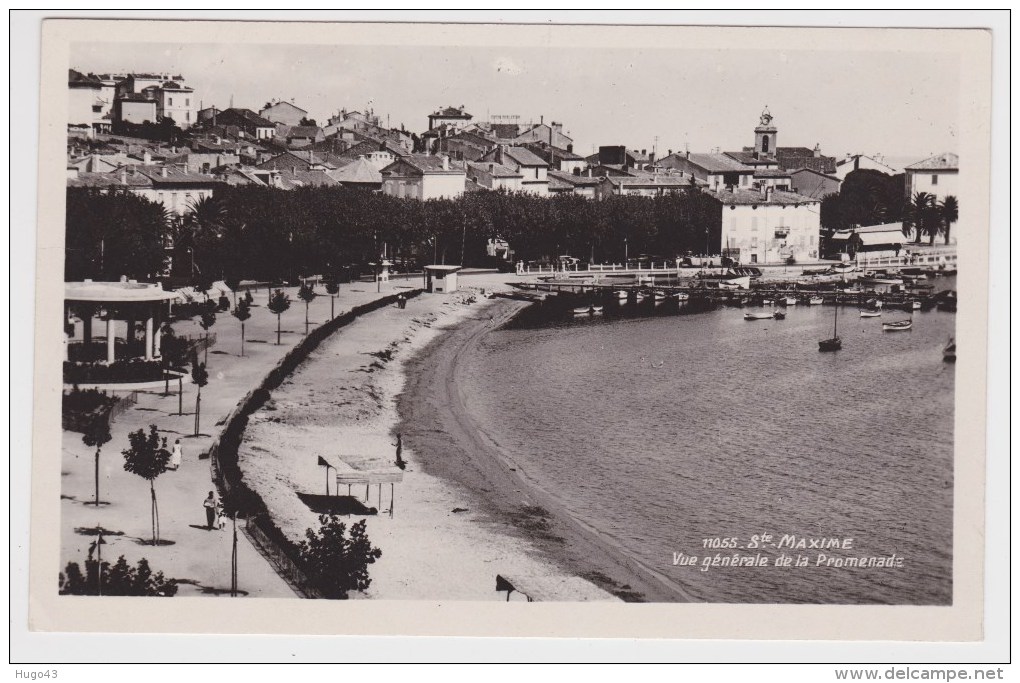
365 469
550 588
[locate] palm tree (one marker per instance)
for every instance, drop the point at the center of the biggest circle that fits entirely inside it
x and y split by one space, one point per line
949 209
921 216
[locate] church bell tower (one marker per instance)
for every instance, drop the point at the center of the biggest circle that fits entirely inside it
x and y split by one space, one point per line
765 136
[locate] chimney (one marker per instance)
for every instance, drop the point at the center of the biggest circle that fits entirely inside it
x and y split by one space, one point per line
146 159
123 176
818 150
446 162
644 152
162 171
688 153
768 194
293 169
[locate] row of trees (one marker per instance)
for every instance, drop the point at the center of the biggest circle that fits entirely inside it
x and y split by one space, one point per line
270 234
927 217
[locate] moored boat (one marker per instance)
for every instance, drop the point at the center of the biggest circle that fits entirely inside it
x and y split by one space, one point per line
790 301
582 311
897 325
759 316
622 294
682 296
815 301
870 314
915 305
596 309
834 343
779 315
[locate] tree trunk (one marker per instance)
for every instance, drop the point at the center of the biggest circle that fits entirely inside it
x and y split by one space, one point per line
277 329
242 340
152 509
948 225
205 358
198 408
306 317
332 299
97 476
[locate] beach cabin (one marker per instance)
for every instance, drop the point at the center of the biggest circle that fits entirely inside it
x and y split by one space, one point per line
441 278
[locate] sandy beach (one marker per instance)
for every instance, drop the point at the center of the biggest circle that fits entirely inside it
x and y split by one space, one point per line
465 511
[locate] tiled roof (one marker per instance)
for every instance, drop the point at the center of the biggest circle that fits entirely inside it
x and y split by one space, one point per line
451 112
650 181
78 79
812 170
524 157
718 163
572 180
772 173
247 115
748 158
753 197
802 157
303 132
428 164
942 162
359 172
506 131
493 169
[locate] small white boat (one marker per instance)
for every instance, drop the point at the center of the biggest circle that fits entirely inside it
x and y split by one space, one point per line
582 311
640 296
870 314
768 302
916 305
622 294
790 301
897 325
759 315
815 301
596 309
661 295
682 296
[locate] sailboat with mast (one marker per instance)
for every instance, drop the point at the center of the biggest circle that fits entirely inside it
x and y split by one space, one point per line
834 343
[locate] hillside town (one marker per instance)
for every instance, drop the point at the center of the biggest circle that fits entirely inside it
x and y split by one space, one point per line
151 134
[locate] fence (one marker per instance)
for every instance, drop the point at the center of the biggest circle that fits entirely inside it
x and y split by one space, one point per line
226 474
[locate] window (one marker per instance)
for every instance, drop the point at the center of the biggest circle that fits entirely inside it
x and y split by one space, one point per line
170 101
765 143
187 116
187 101
934 180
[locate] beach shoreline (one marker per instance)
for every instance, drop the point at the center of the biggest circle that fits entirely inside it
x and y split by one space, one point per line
448 442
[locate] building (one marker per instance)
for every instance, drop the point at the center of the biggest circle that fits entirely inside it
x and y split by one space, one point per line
767 226
533 169
857 162
303 136
360 174
248 122
176 101
767 153
717 171
573 183
811 183
650 185
84 99
450 116
873 241
286 113
549 133
937 175
773 178
494 176
135 109
420 176
177 188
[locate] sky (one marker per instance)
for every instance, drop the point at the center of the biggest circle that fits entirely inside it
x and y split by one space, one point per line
900 104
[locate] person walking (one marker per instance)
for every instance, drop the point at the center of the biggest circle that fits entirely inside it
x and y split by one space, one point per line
176 456
400 449
210 510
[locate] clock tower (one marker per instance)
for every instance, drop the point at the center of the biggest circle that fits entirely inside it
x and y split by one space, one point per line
765 136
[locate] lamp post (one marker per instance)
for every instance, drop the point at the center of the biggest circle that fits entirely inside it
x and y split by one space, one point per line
625 253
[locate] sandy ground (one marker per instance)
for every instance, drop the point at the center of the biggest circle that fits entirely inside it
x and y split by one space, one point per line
200 559
343 400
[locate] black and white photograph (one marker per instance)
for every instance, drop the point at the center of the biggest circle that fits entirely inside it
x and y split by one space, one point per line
501 316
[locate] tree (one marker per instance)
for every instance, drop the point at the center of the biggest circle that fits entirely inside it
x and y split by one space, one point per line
242 312
207 320
278 303
306 293
923 216
148 458
335 563
332 288
949 211
305 121
97 434
200 376
100 578
114 234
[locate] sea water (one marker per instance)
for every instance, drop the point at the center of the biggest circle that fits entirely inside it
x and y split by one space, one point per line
731 456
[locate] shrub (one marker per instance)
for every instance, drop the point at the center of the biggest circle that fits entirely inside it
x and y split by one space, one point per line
334 562
120 579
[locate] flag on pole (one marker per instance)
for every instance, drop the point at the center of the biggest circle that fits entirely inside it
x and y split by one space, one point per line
323 463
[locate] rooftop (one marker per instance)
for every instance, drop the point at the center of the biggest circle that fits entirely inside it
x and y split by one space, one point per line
718 163
738 196
524 157
941 162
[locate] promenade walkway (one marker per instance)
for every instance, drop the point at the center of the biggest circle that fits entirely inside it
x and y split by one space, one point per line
198 558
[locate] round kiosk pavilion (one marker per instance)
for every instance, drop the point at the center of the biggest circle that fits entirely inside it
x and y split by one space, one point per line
126 346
